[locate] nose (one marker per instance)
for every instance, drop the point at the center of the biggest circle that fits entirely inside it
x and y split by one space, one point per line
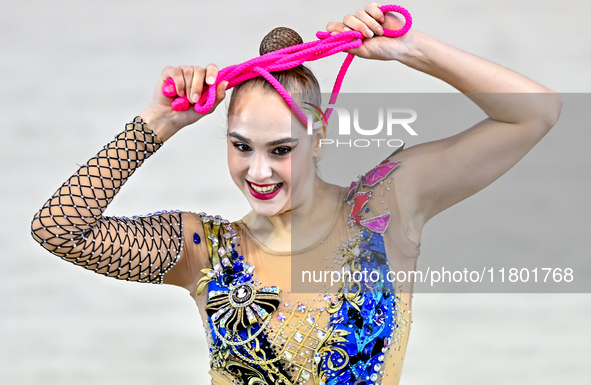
260 168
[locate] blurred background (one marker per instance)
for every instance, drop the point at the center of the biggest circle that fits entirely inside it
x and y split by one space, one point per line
74 72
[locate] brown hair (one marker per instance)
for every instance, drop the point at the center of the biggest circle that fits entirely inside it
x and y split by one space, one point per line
300 82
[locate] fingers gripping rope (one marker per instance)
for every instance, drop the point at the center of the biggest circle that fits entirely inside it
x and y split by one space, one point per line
285 59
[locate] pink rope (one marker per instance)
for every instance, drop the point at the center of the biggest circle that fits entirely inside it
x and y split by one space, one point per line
285 59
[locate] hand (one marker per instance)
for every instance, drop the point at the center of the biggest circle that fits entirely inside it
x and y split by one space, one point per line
371 23
190 81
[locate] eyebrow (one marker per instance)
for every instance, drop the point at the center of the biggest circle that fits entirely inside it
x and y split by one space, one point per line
269 144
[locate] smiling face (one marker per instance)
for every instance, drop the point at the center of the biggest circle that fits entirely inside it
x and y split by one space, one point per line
273 165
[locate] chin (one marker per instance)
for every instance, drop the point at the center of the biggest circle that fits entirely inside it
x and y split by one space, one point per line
266 209
272 207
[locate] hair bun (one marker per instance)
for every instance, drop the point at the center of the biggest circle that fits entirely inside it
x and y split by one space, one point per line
278 38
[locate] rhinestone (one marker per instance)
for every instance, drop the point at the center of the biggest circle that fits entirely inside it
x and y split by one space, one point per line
250 315
305 375
317 358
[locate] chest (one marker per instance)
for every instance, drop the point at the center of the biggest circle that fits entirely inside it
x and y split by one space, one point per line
260 324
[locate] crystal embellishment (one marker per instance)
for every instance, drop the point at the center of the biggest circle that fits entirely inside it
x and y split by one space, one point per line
378 224
288 356
305 375
360 200
378 174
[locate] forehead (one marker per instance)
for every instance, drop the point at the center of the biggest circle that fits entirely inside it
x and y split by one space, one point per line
263 115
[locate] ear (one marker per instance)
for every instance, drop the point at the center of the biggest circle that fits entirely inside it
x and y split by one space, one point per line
318 135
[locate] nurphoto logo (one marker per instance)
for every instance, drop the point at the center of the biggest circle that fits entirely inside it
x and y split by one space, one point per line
392 118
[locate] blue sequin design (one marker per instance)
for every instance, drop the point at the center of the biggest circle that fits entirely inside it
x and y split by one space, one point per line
367 324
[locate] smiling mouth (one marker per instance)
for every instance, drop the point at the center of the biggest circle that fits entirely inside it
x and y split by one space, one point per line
266 189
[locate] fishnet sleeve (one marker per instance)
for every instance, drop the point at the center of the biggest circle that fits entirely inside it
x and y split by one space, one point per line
71 225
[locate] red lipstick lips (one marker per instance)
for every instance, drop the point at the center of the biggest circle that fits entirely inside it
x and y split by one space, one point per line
263 196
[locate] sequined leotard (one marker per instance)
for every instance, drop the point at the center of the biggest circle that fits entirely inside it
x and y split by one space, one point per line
262 328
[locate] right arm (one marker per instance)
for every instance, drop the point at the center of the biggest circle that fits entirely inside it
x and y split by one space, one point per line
71 224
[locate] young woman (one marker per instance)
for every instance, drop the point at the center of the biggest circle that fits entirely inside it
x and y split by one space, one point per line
239 273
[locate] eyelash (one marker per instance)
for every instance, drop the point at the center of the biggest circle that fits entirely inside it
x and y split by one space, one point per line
284 150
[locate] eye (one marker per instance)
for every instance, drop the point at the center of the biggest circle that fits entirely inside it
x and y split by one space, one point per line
242 147
281 150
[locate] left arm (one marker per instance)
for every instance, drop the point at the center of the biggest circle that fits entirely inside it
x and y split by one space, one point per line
439 174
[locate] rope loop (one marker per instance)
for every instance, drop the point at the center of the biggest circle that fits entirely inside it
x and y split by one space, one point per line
284 59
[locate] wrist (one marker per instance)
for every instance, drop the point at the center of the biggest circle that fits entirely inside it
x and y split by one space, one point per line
412 54
160 123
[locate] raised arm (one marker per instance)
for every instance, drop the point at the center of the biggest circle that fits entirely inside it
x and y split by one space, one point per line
439 174
71 224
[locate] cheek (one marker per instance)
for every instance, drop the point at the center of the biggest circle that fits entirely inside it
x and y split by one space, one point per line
301 172
302 162
236 165
284 171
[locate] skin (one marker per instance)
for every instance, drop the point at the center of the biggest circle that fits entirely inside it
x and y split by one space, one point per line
520 112
260 119
263 149
472 159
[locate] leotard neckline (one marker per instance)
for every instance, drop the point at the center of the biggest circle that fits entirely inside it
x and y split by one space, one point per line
261 246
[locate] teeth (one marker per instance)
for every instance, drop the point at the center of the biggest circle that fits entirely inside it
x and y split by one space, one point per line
266 189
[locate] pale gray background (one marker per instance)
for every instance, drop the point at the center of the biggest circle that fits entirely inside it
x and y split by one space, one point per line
74 72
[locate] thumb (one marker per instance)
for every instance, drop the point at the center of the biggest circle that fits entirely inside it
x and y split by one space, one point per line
356 51
220 93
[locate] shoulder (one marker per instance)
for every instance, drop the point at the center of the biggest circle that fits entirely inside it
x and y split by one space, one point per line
405 191
193 234
208 244
391 183
194 254
367 192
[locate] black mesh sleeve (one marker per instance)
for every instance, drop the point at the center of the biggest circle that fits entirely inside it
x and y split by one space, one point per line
71 225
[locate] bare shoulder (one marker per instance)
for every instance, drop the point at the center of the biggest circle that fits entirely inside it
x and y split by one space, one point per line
193 257
406 186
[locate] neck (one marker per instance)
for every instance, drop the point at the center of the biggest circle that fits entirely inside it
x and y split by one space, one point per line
309 218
